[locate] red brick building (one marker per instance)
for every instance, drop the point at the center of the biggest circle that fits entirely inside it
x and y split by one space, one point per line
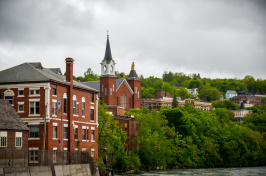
118 94
165 99
41 96
252 99
13 137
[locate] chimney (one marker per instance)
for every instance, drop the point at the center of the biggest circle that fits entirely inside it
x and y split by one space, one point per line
69 69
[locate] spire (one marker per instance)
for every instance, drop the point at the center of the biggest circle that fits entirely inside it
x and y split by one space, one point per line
108 54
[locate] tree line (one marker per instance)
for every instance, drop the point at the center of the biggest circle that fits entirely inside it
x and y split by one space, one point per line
176 84
183 137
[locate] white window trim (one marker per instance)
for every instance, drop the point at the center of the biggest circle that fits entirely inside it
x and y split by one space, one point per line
21 103
3 134
23 92
18 135
34 95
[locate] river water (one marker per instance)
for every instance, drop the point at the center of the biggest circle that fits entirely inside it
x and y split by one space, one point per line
236 171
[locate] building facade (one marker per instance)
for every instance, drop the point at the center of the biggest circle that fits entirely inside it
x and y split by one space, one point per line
58 111
252 99
165 99
230 94
13 137
240 114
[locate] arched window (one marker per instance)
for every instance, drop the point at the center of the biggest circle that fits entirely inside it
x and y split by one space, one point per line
123 101
74 104
83 106
9 96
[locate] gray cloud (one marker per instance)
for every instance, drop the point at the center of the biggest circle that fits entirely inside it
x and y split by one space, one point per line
213 38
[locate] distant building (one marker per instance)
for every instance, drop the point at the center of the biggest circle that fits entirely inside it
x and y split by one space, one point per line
240 114
35 92
13 136
251 99
165 99
193 92
230 94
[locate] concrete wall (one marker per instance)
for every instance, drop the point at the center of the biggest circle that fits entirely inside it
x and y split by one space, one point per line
58 170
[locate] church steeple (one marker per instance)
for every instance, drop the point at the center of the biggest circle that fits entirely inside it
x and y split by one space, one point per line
108 54
108 64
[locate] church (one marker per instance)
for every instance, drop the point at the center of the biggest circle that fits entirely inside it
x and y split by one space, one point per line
118 94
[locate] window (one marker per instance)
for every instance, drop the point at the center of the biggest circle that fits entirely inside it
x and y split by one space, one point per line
138 94
102 87
34 108
92 153
83 134
125 126
92 134
92 114
113 87
18 139
3 138
65 132
65 156
34 131
20 106
9 96
87 134
83 108
54 156
65 102
54 108
92 98
110 91
123 101
105 91
33 156
21 92
54 132
54 89
35 92
76 133
136 90
77 109
74 107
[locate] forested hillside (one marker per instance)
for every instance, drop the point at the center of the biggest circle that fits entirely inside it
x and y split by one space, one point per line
175 83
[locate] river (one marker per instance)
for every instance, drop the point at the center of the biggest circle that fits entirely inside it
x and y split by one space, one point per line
234 171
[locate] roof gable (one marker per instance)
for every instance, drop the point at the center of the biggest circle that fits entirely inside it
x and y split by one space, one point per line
9 119
119 83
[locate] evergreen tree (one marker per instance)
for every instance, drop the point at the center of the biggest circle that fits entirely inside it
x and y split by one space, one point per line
175 102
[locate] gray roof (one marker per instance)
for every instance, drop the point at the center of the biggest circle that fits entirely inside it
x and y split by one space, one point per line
9 119
96 84
231 91
34 72
56 70
133 75
93 84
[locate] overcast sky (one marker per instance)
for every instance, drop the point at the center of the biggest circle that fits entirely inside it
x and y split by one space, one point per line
216 38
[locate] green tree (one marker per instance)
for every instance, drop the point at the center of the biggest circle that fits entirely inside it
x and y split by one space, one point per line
183 93
89 76
175 102
111 142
